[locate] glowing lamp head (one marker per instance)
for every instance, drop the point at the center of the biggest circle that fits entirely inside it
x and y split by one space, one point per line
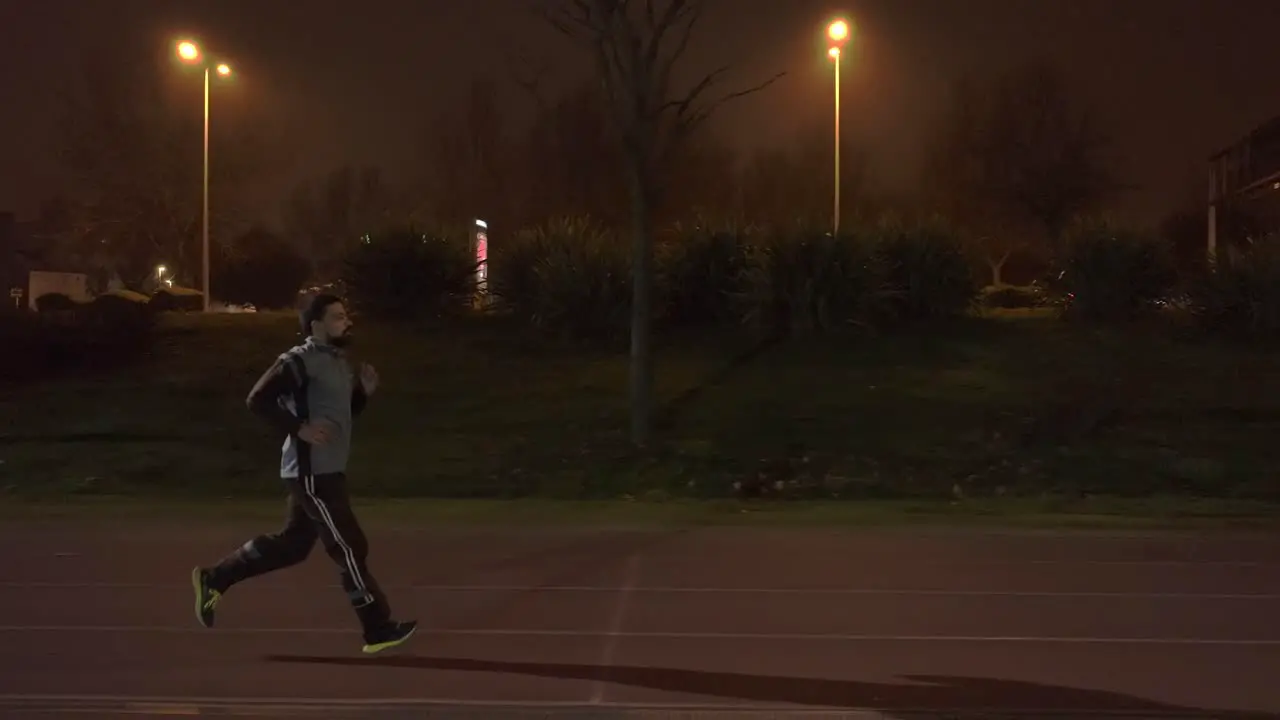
838 31
834 53
188 51
224 70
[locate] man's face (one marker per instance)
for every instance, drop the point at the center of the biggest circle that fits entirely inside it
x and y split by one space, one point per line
335 326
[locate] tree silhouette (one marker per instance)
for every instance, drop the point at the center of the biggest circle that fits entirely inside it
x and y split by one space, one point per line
636 47
327 217
129 148
1015 161
469 159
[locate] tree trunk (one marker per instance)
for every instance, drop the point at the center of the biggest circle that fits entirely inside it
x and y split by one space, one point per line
641 369
997 269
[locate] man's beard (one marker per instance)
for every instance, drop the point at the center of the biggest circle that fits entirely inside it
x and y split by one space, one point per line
342 340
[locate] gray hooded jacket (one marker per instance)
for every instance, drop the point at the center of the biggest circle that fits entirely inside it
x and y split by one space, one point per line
310 382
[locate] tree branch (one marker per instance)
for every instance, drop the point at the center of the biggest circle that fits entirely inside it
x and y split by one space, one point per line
650 15
688 114
571 18
636 54
676 11
591 23
528 73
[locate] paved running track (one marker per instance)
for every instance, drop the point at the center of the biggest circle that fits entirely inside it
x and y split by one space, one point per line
96 621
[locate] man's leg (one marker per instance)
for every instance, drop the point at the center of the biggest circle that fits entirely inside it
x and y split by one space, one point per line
261 555
329 506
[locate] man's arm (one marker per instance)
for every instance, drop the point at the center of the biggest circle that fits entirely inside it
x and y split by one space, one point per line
364 382
279 381
359 398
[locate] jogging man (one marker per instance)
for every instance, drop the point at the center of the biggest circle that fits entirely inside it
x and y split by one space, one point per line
311 395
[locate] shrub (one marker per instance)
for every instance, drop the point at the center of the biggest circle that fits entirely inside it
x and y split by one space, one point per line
807 281
1013 297
177 299
95 336
55 302
925 274
568 277
1112 274
409 275
122 314
25 335
1242 297
267 272
573 278
131 295
163 302
701 276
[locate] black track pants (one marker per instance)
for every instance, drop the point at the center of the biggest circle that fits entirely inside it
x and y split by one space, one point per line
318 508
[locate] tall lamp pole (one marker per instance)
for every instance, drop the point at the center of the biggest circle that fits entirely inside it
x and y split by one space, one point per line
190 52
838 35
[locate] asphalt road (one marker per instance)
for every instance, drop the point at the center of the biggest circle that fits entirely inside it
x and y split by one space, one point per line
614 623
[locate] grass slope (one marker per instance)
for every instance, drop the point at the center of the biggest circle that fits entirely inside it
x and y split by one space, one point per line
1012 408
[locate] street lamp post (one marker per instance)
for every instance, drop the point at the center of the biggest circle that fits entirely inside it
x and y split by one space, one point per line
189 52
838 34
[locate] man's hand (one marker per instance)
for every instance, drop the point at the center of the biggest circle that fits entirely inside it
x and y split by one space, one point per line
368 378
315 433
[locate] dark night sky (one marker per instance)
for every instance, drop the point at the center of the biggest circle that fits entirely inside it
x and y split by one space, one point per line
1172 80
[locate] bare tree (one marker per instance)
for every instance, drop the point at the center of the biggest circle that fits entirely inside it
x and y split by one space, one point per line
701 182
571 161
959 178
564 164
467 158
781 186
636 46
328 217
1016 161
528 72
130 156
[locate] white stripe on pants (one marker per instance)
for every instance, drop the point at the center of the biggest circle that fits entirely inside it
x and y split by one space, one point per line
309 486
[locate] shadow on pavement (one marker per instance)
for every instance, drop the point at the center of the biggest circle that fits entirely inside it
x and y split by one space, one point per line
927 695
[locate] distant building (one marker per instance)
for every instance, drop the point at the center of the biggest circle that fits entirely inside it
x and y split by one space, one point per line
1244 189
